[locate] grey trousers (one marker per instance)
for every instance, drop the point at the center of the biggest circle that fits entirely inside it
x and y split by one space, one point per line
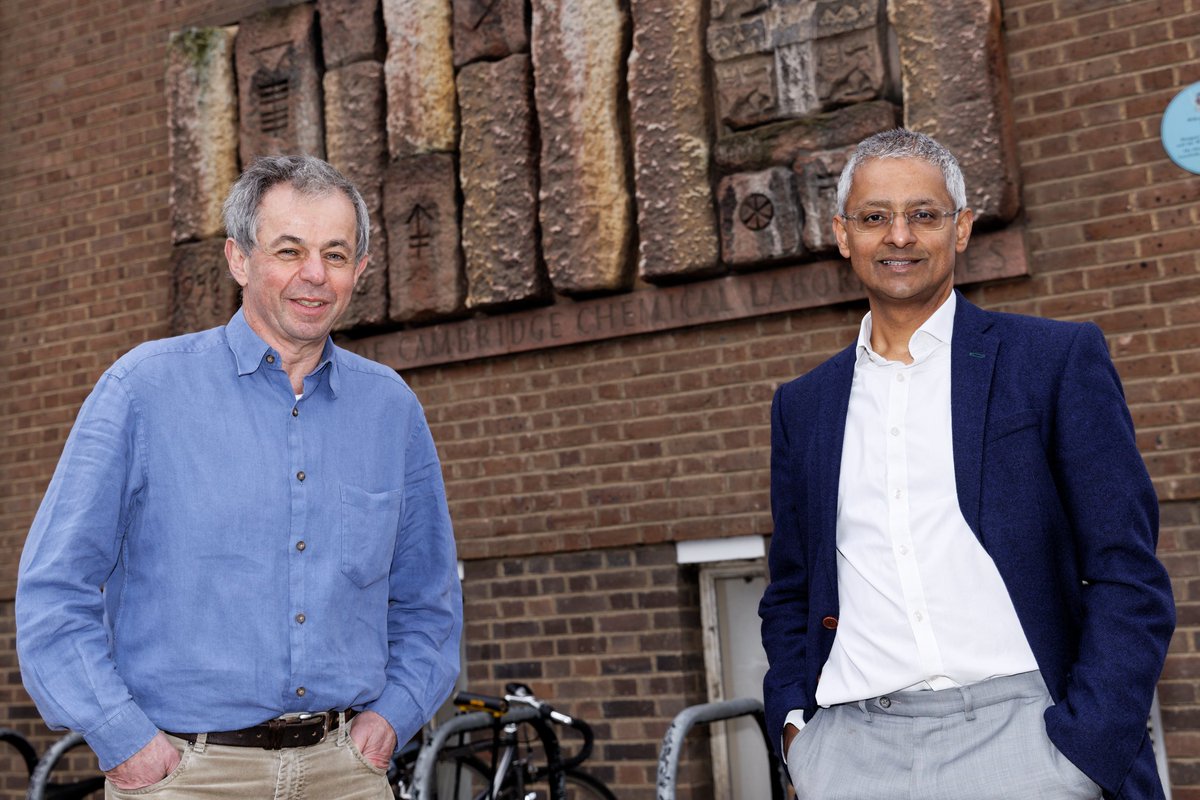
986 741
330 769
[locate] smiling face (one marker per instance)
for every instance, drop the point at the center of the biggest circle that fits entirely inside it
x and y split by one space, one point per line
298 279
900 267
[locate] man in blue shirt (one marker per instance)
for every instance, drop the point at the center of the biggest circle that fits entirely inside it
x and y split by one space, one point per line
246 541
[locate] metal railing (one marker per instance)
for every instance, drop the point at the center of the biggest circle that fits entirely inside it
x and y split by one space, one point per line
672 745
40 785
425 771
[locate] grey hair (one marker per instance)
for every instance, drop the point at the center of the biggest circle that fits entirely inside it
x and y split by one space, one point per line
307 175
903 143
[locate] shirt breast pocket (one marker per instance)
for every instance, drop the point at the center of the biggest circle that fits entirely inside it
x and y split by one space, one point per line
370 521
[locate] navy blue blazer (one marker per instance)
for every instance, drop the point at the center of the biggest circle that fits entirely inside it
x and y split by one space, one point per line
1050 480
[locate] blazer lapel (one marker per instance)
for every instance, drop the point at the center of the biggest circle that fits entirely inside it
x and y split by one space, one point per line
972 361
830 422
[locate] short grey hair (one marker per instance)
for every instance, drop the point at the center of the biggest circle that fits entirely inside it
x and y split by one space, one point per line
309 176
903 143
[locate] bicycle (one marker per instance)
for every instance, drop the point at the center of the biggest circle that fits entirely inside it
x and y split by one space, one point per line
504 764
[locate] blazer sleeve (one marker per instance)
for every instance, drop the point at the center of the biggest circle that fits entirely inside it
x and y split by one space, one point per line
1127 612
785 604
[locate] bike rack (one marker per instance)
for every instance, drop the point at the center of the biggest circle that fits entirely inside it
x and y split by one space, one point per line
672 746
40 787
425 769
22 746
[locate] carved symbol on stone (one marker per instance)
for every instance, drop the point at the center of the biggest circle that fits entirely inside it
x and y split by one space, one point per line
272 93
487 11
421 237
756 211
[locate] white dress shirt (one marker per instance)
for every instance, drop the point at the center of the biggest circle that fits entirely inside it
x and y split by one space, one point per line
922 604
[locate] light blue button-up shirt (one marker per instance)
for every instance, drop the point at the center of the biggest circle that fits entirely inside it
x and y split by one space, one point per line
259 555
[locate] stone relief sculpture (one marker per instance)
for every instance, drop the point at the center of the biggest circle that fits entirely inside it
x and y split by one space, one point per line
516 154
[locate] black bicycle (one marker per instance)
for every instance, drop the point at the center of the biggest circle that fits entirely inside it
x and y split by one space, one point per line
520 759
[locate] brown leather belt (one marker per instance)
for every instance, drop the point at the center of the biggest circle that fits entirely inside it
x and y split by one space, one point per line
299 731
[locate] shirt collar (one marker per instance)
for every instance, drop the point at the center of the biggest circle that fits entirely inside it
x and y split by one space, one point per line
249 351
935 331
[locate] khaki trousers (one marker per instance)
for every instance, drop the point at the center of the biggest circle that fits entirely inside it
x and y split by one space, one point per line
333 769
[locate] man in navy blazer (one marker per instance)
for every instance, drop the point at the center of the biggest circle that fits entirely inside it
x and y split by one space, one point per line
965 600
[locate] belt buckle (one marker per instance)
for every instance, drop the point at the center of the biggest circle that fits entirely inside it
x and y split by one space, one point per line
325 721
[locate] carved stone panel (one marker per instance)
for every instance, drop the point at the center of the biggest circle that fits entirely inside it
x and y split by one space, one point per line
746 90
585 207
677 233
369 302
970 113
354 126
351 30
849 68
203 293
817 177
420 77
761 217
355 141
783 142
489 29
785 59
203 132
499 184
425 276
279 86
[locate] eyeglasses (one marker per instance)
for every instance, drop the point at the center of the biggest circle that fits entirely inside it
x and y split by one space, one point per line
874 220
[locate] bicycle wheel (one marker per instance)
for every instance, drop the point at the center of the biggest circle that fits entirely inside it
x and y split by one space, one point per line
468 778
581 786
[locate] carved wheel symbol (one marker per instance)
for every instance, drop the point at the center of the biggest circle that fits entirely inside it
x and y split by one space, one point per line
756 211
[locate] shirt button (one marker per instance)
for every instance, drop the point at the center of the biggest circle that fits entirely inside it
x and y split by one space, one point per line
301 692
295 412
900 378
300 475
903 550
270 359
300 545
300 618
918 616
894 431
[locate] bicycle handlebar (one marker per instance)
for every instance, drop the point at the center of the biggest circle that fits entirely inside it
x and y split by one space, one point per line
469 701
520 694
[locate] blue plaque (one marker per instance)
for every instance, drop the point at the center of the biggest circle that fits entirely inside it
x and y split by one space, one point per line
1181 129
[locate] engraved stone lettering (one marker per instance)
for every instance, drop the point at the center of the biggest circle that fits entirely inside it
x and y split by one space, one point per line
756 211
419 222
272 93
425 270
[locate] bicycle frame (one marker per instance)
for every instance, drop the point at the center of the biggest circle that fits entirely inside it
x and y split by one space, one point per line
478 720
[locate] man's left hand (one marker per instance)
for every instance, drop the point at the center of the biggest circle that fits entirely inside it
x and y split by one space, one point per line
374 737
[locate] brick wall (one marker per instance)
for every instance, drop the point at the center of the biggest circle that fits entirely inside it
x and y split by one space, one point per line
612 636
570 471
1115 236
